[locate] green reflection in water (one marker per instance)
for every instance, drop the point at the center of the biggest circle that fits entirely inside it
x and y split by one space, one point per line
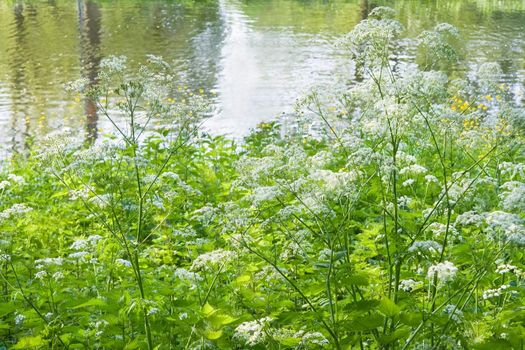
258 55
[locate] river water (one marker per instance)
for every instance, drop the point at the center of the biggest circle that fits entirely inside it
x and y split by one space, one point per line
257 56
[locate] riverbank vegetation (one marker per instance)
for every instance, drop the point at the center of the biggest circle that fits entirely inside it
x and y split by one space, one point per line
388 216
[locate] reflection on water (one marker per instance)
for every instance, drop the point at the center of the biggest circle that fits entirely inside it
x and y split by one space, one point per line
89 26
257 55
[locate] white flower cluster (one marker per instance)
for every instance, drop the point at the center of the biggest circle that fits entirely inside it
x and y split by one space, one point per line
123 262
114 64
408 182
81 244
5 257
431 179
414 169
264 194
252 332
439 230
425 247
409 285
306 339
14 210
78 86
82 193
338 182
187 276
445 272
513 197
453 313
99 327
315 338
495 293
469 218
404 201
213 258
437 42
270 275
4 184
507 268
41 275
11 179
370 37
516 235
205 214
19 319
41 263
512 170
501 219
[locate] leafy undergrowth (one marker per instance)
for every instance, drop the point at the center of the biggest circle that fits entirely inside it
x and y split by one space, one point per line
396 224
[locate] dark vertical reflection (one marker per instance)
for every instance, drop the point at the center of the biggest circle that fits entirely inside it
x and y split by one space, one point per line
18 67
89 22
364 7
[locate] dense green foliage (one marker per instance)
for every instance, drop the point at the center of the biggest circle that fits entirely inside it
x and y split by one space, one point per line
390 216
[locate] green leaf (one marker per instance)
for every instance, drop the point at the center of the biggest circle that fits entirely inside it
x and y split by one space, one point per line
91 302
362 305
208 310
411 319
388 308
365 323
132 345
221 320
29 342
212 335
6 308
290 341
397 334
357 279
243 279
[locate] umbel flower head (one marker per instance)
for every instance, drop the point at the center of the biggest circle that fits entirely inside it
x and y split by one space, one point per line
445 272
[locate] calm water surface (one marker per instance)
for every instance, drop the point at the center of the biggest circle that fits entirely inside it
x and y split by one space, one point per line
258 56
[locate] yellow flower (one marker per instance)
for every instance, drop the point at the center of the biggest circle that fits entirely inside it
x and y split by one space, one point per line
482 106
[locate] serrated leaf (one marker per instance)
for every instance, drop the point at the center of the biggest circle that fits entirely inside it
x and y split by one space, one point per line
212 335
90 302
29 342
208 310
6 308
366 323
243 279
221 320
388 308
132 345
397 334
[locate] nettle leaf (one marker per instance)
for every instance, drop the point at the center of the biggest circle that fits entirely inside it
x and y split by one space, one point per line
290 341
315 289
411 318
212 335
221 320
495 344
356 279
91 302
396 335
30 342
6 308
208 310
134 344
362 306
365 323
388 308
